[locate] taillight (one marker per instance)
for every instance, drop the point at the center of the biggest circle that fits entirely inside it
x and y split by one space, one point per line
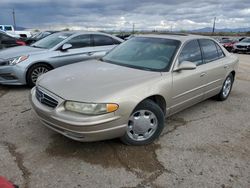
21 43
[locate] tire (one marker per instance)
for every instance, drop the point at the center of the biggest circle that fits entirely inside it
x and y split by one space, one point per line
226 88
34 72
144 129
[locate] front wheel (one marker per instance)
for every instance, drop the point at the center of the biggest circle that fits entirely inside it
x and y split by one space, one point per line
35 71
145 124
226 88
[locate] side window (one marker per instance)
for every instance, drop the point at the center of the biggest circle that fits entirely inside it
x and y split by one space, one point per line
116 41
209 50
191 52
8 28
80 41
101 40
220 52
6 37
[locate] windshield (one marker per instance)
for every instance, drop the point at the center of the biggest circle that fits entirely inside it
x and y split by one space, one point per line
226 41
146 53
51 40
246 40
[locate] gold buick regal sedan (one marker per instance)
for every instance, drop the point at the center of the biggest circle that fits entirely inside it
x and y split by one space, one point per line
129 92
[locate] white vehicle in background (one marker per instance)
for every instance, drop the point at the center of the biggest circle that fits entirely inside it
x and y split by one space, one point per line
9 29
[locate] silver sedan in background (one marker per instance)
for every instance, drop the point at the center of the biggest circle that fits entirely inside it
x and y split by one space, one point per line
23 65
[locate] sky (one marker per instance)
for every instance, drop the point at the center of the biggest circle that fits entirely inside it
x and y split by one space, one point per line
122 14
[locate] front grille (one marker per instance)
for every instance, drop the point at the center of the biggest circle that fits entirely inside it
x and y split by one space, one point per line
45 99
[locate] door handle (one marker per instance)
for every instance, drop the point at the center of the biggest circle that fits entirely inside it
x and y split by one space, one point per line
90 53
225 66
202 74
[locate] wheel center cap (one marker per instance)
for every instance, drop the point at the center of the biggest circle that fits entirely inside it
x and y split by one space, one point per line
141 125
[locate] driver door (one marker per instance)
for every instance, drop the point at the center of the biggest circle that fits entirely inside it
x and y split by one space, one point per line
80 51
188 85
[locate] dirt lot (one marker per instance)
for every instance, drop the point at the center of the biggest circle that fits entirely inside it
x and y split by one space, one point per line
207 145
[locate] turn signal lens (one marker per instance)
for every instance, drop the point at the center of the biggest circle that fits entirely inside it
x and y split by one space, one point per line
112 107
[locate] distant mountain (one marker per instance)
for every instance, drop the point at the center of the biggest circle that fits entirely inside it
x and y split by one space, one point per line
210 29
19 28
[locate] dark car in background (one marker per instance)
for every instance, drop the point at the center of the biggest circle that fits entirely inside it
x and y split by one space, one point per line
7 41
38 36
228 43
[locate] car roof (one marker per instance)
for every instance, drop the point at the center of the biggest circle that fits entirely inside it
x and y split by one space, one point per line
175 36
83 32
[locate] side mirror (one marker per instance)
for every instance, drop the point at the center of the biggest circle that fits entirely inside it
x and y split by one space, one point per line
66 47
186 65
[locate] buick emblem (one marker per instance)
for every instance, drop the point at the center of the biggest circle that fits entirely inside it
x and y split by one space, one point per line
41 97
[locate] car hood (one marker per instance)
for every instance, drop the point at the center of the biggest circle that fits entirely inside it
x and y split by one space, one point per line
93 81
243 43
20 50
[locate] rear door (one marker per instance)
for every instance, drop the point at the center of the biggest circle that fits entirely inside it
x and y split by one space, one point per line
188 85
215 67
103 44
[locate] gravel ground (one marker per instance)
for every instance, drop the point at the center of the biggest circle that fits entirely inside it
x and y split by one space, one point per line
207 145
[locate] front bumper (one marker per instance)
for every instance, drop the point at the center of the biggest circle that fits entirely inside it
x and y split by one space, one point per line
241 49
12 75
77 126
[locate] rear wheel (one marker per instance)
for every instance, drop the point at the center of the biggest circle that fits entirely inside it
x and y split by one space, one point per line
145 124
226 88
35 71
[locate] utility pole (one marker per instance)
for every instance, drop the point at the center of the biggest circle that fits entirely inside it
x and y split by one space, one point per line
214 25
14 18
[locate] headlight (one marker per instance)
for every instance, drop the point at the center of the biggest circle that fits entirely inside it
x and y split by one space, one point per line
90 108
16 60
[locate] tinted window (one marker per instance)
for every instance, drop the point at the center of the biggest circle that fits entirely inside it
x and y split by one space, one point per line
6 37
51 40
8 28
191 52
220 52
246 40
116 41
101 40
209 49
144 53
80 41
